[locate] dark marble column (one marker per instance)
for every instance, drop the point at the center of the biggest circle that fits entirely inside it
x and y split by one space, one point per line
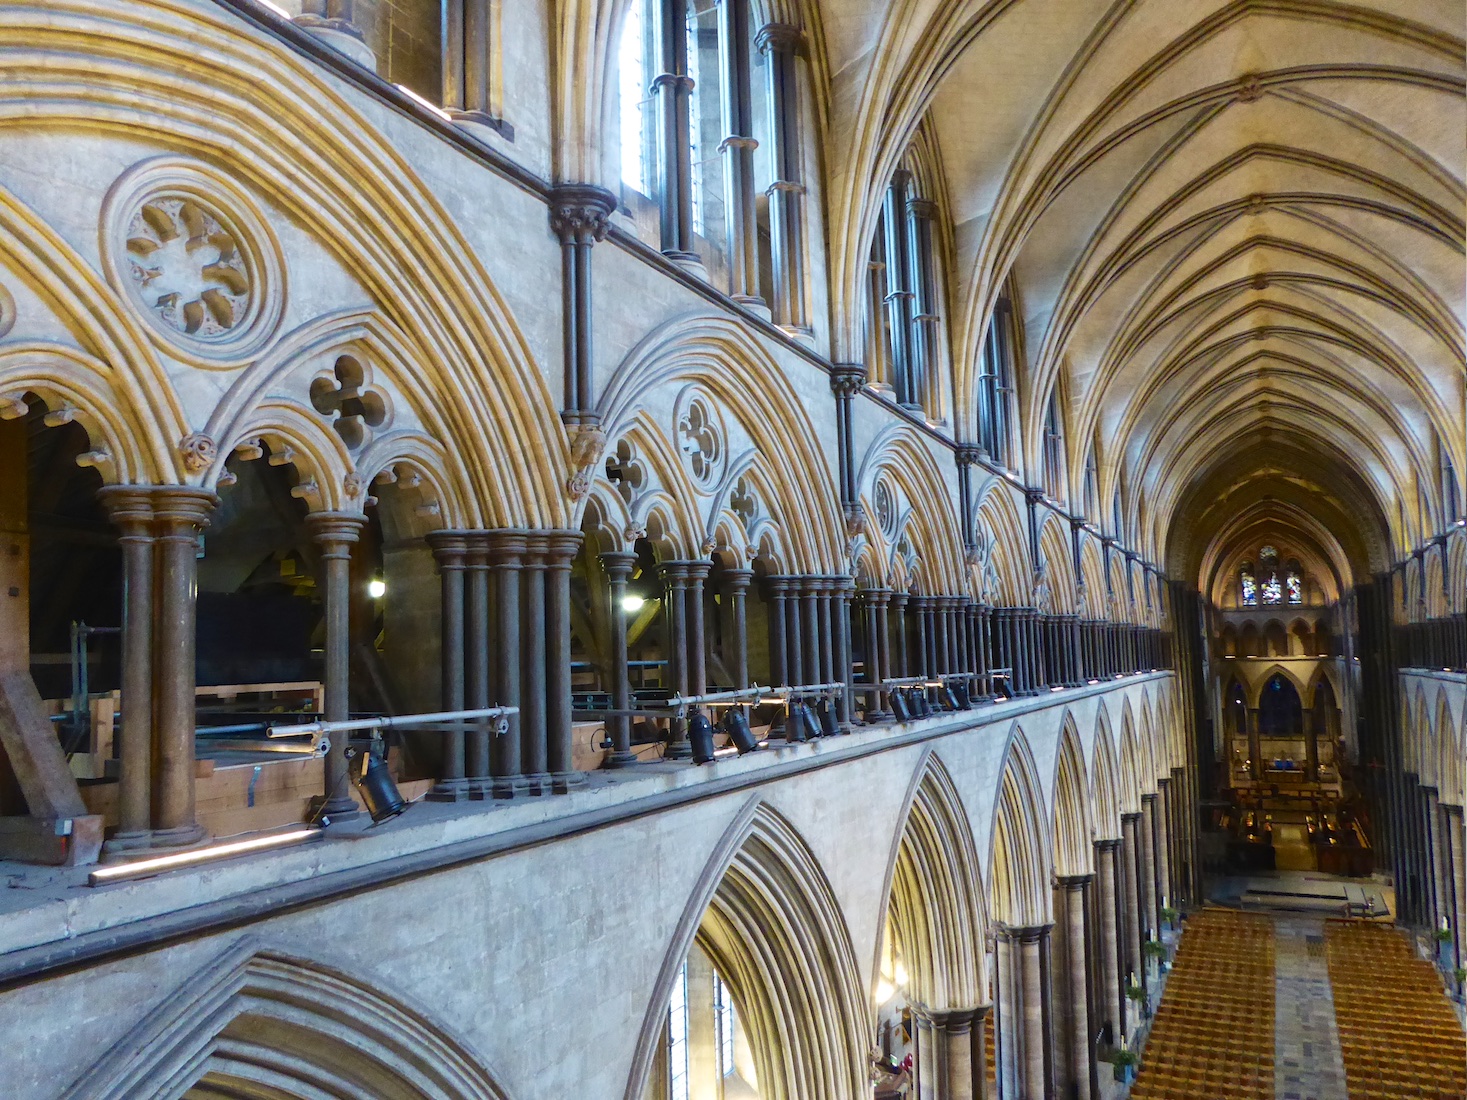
899 296
874 602
1114 995
738 147
1150 913
775 588
507 550
955 1065
810 619
450 549
130 508
477 672
672 88
334 533
1075 1043
674 587
619 566
561 549
1131 896
794 649
697 650
898 604
1166 889
534 654
736 588
579 217
783 44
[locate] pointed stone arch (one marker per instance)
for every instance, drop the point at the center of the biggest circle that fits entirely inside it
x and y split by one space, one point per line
1105 792
1018 859
262 1023
1072 823
1058 558
1132 783
766 916
931 527
934 899
1449 770
1001 526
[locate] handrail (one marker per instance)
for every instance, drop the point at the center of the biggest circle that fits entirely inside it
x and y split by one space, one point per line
454 719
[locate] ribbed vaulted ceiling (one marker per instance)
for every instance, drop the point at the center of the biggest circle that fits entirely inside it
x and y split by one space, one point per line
1235 234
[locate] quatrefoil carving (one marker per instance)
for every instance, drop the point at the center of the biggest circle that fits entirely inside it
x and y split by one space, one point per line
355 408
699 440
744 503
886 513
626 472
188 267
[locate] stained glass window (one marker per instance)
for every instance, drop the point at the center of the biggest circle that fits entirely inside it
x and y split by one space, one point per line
1269 585
1249 586
1273 591
1295 585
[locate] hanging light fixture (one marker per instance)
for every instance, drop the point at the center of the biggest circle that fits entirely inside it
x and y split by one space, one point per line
828 728
700 736
736 724
899 706
794 723
379 792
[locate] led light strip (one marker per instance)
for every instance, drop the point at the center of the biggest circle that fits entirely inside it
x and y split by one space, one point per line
118 872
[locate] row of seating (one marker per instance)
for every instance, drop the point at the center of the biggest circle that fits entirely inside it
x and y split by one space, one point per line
1213 1035
1398 1034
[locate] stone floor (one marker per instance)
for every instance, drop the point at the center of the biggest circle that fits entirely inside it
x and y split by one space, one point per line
1308 1064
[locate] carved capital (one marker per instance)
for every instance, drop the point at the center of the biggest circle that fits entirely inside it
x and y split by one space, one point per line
780 38
587 443
969 454
198 451
580 213
846 379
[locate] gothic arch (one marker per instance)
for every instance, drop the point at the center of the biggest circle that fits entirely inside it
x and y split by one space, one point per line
1058 558
272 123
1449 770
1132 780
1019 867
1073 824
935 894
768 919
1001 526
1105 792
718 356
265 1024
901 456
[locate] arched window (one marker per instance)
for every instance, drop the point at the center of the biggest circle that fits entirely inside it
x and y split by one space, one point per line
710 135
1270 584
1248 586
1054 449
1451 501
904 298
1293 583
1115 512
996 383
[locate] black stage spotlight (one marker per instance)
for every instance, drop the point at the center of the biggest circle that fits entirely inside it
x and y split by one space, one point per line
950 697
899 706
700 736
736 725
828 728
379 792
964 699
922 708
794 724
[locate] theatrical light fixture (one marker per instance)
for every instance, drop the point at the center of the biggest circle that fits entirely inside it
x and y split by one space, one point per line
139 868
700 736
828 728
376 588
899 706
794 724
736 725
379 792
632 604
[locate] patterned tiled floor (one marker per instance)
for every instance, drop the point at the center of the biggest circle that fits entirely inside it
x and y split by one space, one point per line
1308 1064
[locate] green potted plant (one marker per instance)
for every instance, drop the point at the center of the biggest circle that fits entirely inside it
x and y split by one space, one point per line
1460 973
1137 993
1170 915
1125 1062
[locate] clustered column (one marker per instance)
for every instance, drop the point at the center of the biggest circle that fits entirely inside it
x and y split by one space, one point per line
160 528
334 533
1074 984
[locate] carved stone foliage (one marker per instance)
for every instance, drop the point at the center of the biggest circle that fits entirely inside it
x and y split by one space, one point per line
355 408
587 444
186 244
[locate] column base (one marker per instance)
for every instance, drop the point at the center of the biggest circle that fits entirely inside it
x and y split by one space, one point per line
341 36
678 750
537 783
616 760
450 790
335 809
563 782
121 847
178 839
